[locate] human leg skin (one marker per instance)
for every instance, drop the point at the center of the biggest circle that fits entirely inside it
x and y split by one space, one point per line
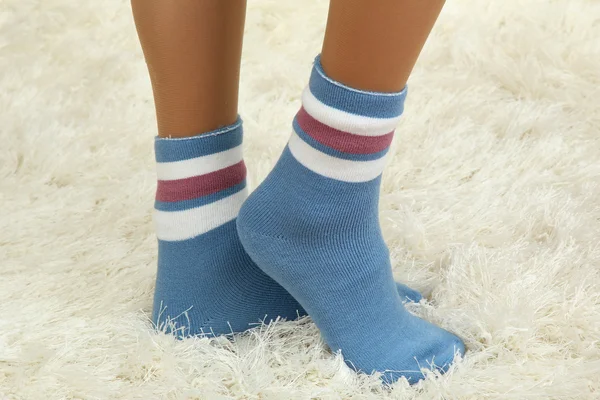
313 224
193 50
375 48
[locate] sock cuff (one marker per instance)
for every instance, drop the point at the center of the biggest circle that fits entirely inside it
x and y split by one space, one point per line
201 182
178 149
344 133
354 101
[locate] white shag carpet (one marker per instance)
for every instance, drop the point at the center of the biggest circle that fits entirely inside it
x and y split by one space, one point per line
490 205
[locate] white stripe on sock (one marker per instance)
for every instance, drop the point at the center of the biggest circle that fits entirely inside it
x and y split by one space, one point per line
167 171
187 224
332 167
344 121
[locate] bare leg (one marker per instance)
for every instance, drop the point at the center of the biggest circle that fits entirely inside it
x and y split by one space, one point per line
373 45
193 50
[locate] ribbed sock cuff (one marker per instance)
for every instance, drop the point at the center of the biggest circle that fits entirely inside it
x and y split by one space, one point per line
177 149
354 101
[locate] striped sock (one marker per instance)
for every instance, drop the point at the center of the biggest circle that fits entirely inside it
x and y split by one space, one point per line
313 226
206 283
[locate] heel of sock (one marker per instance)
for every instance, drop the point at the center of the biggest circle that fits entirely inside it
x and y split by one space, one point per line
248 223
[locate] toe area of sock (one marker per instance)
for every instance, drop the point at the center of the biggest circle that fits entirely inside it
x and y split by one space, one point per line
444 361
440 363
408 294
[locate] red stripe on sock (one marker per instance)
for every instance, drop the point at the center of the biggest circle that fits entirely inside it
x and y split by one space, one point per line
340 140
202 185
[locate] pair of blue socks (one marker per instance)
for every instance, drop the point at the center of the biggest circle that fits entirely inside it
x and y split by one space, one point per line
307 240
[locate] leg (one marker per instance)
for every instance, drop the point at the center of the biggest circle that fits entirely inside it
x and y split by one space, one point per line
206 283
313 224
193 50
375 48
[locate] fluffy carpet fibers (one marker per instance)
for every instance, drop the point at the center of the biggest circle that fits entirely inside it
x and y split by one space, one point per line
490 205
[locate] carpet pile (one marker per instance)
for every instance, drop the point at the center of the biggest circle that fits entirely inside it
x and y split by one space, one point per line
490 206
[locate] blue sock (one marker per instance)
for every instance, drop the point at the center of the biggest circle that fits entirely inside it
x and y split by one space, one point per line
206 283
408 294
313 226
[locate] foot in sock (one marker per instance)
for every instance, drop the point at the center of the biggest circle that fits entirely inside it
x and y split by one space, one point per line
206 283
313 226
